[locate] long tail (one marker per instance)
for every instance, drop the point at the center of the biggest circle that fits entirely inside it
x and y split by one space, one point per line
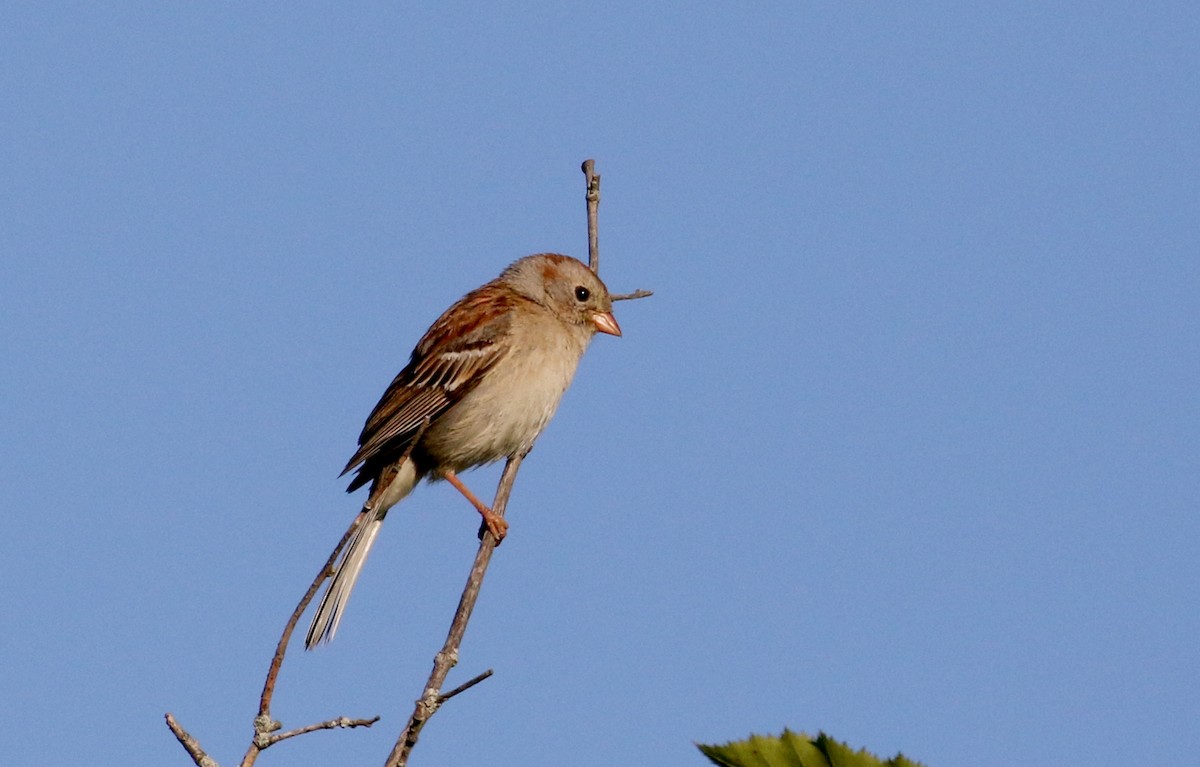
337 594
333 603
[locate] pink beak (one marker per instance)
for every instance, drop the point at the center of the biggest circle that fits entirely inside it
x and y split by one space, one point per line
605 322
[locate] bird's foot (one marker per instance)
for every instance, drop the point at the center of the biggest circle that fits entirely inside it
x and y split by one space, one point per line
495 524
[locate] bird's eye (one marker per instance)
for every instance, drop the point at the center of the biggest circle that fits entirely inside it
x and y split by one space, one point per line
582 293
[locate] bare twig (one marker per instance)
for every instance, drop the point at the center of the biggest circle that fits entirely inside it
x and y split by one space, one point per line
190 744
593 211
635 294
341 721
464 686
593 214
429 702
264 704
264 723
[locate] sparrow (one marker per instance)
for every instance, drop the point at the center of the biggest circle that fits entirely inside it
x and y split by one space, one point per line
480 386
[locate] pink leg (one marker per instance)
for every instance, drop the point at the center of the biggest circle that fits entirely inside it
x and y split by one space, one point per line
495 523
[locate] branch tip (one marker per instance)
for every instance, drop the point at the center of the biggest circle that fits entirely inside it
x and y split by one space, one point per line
631 296
189 743
464 686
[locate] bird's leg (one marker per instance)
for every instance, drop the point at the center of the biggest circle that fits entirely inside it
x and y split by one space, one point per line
495 523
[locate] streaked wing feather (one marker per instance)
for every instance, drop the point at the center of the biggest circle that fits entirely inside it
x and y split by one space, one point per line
403 424
447 363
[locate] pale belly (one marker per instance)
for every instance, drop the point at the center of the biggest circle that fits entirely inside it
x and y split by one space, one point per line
504 414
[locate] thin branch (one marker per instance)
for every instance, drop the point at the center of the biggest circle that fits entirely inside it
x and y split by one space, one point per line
593 210
429 702
190 744
464 687
264 705
592 196
635 294
341 721
264 724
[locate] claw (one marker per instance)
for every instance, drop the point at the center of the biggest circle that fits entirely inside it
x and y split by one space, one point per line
497 524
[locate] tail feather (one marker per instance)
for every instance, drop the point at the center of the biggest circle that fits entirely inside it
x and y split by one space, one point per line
389 488
333 603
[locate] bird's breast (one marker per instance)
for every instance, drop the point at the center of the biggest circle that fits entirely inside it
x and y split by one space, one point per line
507 410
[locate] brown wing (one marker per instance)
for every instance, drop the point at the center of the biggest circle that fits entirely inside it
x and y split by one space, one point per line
448 362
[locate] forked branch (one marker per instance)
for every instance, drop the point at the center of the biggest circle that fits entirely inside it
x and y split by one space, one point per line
592 197
266 729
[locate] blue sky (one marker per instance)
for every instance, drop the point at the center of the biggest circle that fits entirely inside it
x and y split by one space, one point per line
905 447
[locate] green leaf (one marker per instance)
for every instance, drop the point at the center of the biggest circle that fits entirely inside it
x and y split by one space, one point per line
793 749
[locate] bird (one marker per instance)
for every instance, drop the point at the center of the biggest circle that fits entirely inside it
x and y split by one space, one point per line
480 386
